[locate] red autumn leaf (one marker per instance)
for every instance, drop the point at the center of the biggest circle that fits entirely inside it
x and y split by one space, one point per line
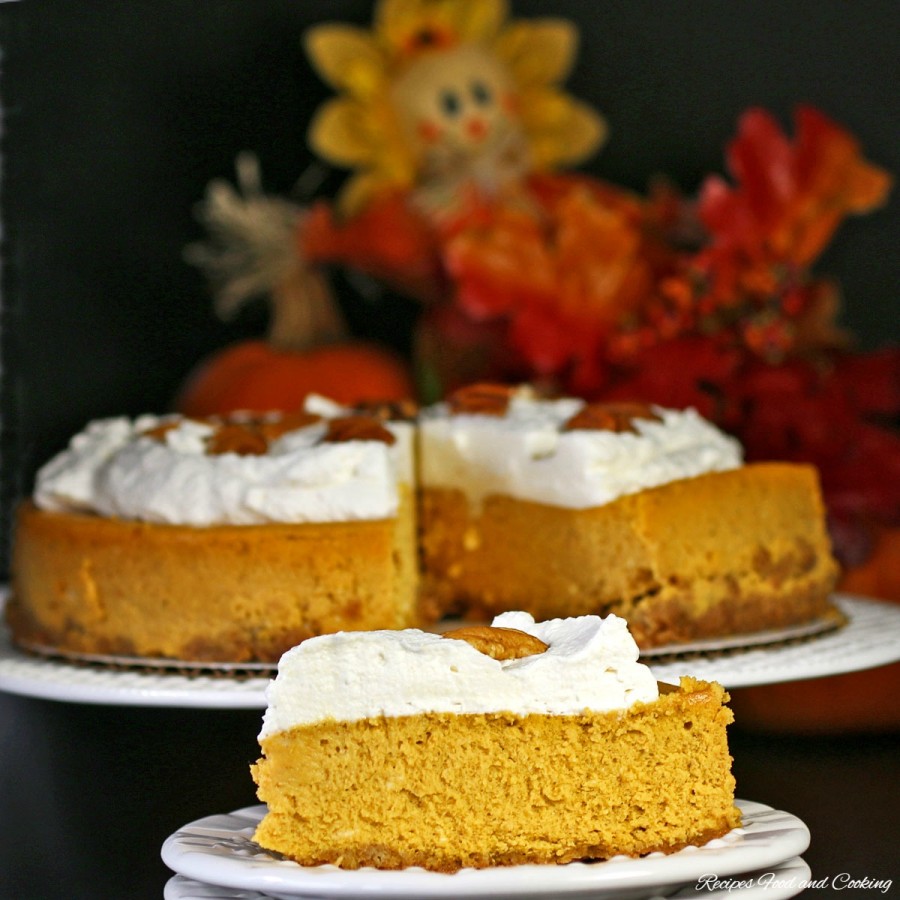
788 198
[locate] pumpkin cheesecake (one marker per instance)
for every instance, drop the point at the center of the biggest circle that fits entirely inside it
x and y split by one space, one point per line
232 539
561 507
220 540
517 743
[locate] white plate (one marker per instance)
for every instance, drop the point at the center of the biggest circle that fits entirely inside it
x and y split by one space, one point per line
220 850
774 883
871 638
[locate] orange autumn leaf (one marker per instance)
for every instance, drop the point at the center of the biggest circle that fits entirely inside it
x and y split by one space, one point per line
566 263
499 263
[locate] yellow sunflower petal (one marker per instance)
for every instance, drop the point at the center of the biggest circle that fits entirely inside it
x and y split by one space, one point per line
561 130
390 171
538 52
545 108
347 58
397 14
478 20
340 133
360 189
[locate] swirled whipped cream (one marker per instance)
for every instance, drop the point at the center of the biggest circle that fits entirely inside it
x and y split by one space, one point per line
526 451
158 469
590 664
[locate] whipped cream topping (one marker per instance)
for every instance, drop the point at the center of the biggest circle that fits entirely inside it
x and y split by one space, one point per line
591 664
526 454
114 468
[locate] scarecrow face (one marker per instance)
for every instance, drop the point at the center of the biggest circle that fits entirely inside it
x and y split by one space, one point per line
459 112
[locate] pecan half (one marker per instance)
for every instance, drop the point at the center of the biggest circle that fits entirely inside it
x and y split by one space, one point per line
484 398
357 428
498 643
233 437
241 433
388 410
616 417
272 429
159 432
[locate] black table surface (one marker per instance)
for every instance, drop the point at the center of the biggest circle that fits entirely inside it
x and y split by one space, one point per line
88 794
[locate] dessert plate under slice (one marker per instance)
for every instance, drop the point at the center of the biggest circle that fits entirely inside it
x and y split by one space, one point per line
773 883
219 850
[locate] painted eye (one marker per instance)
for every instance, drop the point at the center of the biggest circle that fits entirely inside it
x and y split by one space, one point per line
481 93
450 103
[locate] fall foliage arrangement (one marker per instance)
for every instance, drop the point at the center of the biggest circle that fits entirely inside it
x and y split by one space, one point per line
460 143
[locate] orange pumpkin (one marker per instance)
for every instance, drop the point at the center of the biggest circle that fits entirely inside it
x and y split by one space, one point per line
306 351
254 375
861 702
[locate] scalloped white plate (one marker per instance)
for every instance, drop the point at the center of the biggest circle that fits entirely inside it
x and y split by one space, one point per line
219 850
774 883
870 638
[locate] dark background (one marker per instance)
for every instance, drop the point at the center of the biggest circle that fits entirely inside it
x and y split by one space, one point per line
118 113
